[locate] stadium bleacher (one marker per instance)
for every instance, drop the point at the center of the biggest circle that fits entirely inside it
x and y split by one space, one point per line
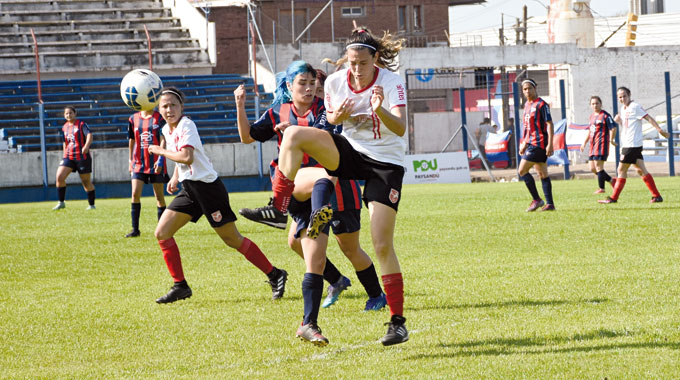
209 102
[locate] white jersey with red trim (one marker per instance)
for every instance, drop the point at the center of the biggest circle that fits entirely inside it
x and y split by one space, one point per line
631 128
364 130
184 135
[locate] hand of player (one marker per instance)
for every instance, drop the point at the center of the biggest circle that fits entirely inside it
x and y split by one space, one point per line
130 165
155 149
617 118
172 185
157 168
343 112
583 147
522 148
664 133
613 142
549 150
240 95
85 150
377 98
281 127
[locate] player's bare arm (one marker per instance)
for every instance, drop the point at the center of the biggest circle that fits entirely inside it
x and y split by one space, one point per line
394 119
551 132
88 142
184 156
241 116
656 126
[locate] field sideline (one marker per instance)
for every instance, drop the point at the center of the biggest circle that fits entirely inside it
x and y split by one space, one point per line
588 292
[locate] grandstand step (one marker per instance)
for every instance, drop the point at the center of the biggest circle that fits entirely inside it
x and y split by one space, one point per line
137 23
17 5
127 44
93 34
81 14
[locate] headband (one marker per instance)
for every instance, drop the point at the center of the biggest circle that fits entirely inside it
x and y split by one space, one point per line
360 45
177 94
530 81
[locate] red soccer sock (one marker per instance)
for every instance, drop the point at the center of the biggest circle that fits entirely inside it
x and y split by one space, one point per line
649 181
252 252
394 292
282 187
172 259
618 188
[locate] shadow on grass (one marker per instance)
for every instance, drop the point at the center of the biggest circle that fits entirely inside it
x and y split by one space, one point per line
515 303
541 345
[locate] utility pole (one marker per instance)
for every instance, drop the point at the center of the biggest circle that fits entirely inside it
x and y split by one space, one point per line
504 80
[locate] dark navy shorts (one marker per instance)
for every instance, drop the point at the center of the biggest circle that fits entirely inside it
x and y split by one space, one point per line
535 154
81 166
151 178
199 198
598 158
631 155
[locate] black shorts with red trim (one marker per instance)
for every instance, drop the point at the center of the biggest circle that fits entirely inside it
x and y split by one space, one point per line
151 178
200 198
383 180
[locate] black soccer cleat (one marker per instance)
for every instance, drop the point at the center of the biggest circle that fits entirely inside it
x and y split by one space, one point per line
396 331
318 221
176 293
268 215
278 284
658 199
133 233
311 333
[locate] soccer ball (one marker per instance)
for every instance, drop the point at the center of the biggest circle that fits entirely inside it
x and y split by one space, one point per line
141 89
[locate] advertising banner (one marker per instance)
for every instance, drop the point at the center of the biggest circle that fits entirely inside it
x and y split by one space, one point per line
451 167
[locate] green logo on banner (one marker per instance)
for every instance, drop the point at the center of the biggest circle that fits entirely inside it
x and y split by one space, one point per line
424 165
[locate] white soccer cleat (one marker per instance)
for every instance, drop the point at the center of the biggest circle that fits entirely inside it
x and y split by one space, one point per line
90 207
59 206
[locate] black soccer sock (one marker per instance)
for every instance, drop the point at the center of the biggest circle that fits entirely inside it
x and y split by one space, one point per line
369 279
547 190
601 178
331 273
160 211
135 210
312 289
90 197
61 192
531 185
321 194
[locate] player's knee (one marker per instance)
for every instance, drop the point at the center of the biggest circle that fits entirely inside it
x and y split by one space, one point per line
382 248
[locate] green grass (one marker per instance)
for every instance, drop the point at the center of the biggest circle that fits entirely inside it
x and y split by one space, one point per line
588 292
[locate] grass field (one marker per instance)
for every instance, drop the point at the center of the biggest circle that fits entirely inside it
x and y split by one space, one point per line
588 292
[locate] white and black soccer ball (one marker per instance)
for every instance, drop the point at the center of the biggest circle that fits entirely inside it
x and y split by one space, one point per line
141 89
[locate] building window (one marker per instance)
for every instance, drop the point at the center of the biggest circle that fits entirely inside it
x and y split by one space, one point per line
401 18
352 11
417 18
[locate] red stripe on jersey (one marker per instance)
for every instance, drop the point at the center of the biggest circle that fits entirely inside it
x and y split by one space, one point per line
357 202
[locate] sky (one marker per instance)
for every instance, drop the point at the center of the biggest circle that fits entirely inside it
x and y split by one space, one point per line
471 17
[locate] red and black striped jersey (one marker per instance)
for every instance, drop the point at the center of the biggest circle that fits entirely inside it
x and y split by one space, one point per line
144 132
75 135
536 118
600 124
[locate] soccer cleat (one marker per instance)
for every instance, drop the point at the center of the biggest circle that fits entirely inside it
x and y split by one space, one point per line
318 221
599 191
658 199
133 233
334 291
396 331
176 293
90 207
535 205
268 215
312 334
376 303
548 207
279 285
59 206
607 200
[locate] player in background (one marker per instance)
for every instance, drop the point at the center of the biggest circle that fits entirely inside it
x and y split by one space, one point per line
144 129
77 157
203 193
536 146
369 102
630 119
602 133
291 100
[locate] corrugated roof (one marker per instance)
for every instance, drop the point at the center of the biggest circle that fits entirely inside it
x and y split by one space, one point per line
654 29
